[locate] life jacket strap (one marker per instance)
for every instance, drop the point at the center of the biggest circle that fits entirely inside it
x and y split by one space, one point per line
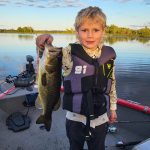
90 115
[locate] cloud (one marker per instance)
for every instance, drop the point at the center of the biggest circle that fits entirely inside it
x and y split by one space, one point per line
3 2
58 3
136 26
140 26
146 2
44 3
1 25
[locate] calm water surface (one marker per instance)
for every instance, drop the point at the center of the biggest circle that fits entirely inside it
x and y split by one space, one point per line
132 63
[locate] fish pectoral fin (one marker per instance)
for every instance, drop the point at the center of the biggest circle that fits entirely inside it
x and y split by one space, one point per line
57 105
38 104
43 79
40 53
50 69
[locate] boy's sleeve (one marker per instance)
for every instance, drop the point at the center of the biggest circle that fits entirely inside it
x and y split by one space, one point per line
112 94
67 61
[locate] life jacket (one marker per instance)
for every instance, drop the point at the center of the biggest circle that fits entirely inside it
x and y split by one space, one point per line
86 87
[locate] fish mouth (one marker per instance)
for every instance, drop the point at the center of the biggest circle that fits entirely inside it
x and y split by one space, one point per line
55 49
55 52
52 51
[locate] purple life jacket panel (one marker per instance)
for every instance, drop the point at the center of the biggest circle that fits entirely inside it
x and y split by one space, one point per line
83 78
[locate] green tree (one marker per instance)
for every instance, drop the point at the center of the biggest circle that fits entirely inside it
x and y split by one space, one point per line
25 29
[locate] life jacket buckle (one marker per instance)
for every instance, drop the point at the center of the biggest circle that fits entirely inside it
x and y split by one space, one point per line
92 117
88 136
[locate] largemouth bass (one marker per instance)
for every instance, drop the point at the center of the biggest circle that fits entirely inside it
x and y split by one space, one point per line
49 83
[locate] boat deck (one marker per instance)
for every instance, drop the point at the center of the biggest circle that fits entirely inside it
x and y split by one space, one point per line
35 138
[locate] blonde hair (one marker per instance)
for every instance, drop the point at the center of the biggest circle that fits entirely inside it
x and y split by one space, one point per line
93 13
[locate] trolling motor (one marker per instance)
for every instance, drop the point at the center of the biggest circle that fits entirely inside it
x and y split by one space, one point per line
26 78
29 67
18 121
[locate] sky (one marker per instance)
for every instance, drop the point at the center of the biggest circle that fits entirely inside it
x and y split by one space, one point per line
60 14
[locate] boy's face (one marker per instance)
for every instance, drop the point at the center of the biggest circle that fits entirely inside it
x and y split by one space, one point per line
90 34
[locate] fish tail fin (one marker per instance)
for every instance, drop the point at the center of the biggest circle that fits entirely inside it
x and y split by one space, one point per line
47 124
43 120
40 119
57 105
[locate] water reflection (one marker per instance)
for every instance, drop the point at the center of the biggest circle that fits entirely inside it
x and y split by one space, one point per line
132 63
25 36
113 39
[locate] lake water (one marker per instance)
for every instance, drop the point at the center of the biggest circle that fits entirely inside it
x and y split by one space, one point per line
132 63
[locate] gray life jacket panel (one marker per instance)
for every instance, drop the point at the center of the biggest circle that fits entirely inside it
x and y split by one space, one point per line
88 82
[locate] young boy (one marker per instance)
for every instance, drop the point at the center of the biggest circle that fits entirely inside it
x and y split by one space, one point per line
89 81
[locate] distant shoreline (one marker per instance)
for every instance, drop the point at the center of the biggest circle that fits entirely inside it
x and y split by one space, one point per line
111 30
107 35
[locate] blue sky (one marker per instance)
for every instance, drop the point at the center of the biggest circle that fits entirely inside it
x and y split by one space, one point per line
60 14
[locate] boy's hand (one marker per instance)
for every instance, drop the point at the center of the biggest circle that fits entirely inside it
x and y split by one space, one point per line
113 116
42 39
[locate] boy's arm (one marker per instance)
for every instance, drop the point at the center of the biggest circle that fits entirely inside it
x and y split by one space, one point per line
112 94
67 61
113 98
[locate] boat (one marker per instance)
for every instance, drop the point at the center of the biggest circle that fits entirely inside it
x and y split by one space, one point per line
129 132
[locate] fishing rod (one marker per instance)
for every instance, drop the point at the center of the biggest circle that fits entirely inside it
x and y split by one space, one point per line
134 105
2 95
133 121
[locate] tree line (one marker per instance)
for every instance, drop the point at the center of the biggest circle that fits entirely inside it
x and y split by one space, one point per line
110 30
